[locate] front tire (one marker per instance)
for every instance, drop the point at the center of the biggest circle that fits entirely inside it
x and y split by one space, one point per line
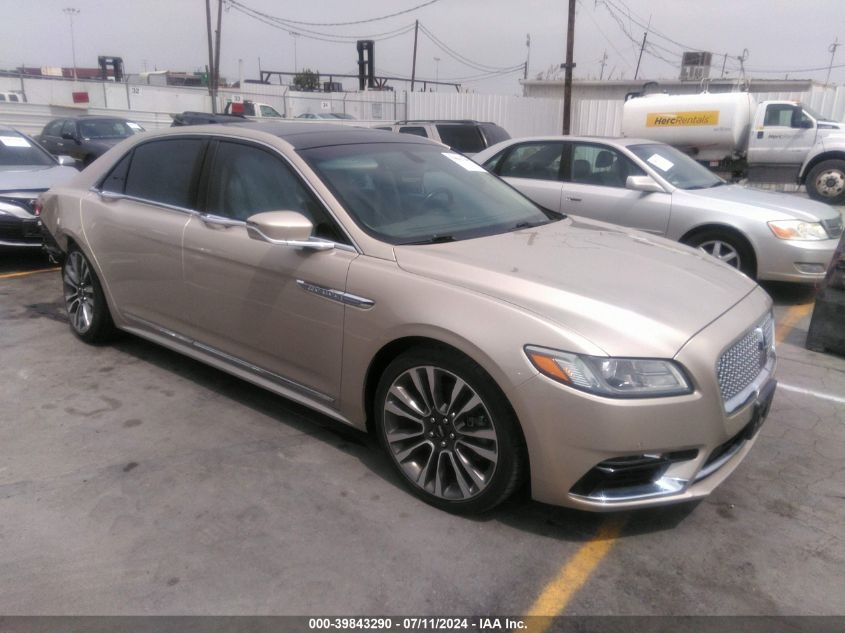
826 182
726 247
87 310
449 431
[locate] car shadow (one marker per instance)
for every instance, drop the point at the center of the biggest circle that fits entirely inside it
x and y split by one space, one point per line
23 261
519 512
783 293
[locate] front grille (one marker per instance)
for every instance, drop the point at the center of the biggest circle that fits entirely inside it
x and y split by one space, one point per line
744 360
833 226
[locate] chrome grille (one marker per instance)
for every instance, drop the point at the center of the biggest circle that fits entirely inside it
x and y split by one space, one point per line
833 226
743 361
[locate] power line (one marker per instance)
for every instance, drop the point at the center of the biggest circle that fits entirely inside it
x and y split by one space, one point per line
462 58
316 35
299 22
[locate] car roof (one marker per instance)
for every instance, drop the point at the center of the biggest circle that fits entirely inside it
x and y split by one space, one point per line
301 135
622 141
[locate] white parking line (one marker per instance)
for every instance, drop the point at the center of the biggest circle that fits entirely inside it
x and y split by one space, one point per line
810 392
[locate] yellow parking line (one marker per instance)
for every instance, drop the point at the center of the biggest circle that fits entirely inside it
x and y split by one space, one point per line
27 273
574 573
793 315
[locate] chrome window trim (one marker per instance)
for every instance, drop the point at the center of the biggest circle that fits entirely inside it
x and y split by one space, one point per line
204 217
233 360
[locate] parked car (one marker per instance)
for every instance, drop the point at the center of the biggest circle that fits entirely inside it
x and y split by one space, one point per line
467 137
656 188
323 116
401 288
12 97
206 118
26 170
252 109
86 138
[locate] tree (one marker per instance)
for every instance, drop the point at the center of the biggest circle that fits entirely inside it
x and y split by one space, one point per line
307 80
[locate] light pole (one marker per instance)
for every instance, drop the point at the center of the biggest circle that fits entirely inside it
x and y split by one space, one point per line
70 12
436 73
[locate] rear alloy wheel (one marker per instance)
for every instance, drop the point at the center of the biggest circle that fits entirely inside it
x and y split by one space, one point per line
449 431
727 248
826 182
87 311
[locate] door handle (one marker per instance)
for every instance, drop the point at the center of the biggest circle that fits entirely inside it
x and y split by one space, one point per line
216 220
573 199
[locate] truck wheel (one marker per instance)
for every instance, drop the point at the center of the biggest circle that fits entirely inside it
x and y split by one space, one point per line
726 247
826 181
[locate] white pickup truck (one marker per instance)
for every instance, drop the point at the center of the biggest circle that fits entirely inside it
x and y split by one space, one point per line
770 141
252 109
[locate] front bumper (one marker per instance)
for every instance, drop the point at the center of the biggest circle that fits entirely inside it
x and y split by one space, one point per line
689 443
795 260
18 232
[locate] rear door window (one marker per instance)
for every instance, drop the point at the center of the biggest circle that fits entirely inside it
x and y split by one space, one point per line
462 138
166 171
538 161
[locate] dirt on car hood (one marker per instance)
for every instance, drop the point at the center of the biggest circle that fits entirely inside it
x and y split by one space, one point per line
629 293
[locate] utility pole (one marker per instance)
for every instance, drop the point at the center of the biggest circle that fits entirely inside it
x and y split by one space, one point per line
527 55
569 65
724 63
642 47
832 50
742 59
210 72
70 12
603 62
414 62
436 73
295 37
217 50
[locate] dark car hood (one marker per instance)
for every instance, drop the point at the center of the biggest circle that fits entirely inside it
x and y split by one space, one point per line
610 285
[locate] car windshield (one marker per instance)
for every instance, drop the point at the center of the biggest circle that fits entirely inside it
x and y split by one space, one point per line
676 167
418 193
17 150
108 128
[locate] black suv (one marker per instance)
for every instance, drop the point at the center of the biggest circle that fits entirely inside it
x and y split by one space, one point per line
465 136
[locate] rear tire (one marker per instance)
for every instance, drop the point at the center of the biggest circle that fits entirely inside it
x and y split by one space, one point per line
826 181
87 309
449 431
726 247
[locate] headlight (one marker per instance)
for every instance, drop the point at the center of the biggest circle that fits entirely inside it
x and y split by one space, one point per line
612 377
798 230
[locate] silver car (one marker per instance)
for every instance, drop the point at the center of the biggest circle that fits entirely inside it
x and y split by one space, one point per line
26 171
655 188
398 287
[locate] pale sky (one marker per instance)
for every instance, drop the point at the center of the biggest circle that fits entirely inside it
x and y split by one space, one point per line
780 35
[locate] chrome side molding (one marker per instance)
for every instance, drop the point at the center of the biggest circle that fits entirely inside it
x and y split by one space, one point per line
331 294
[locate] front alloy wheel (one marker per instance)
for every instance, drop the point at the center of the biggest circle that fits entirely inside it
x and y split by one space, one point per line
723 251
449 431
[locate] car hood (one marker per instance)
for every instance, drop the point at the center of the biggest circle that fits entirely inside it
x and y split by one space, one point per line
102 144
629 293
33 177
778 205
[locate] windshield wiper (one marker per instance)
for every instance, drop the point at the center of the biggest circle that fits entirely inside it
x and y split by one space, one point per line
434 239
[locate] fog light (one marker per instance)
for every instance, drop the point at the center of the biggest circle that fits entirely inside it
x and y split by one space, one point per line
811 268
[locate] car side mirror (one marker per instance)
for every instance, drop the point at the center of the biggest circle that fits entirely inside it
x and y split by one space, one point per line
284 228
66 161
646 184
68 136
